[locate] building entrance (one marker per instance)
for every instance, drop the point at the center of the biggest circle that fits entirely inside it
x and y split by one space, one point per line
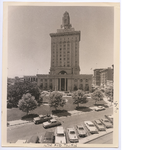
62 84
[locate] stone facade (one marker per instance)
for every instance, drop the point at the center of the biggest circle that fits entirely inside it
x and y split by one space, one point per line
64 72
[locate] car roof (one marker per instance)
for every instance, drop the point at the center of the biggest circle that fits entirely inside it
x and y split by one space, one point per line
71 129
79 126
97 121
60 130
53 120
49 134
89 122
41 115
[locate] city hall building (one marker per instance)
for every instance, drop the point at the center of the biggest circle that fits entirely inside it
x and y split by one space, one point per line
64 72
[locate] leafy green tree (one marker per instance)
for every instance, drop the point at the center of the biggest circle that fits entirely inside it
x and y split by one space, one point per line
56 99
97 95
15 92
27 103
79 97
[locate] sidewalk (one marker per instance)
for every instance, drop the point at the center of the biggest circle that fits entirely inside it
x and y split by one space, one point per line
17 122
95 136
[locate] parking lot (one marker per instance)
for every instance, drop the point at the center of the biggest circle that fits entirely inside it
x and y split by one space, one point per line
66 123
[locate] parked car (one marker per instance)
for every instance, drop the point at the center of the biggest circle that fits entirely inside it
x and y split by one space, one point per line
33 139
106 105
72 135
106 123
60 136
110 118
91 127
21 141
99 108
51 123
42 118
48 137
81 131
99 125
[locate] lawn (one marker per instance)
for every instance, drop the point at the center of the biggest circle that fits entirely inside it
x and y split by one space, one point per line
16 114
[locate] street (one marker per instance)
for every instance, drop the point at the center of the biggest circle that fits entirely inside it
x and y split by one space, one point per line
27 130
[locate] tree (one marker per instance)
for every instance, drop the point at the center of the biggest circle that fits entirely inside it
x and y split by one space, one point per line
79 97
109 93
27 103
15 92
56 99
97 95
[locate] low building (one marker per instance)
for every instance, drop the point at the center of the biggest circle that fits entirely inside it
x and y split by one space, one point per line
30 78
106 77
96 78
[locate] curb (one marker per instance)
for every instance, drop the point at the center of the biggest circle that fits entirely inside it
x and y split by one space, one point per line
89 139
19 123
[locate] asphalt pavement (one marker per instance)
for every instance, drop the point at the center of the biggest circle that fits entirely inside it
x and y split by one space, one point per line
25 131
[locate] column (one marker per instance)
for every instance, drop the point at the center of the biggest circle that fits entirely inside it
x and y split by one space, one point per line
48 83
60 84
65 85
84 84
78 83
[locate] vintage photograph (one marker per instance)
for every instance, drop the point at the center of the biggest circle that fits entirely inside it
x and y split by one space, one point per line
61 74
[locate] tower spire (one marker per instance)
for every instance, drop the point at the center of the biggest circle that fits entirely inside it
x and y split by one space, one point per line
66 21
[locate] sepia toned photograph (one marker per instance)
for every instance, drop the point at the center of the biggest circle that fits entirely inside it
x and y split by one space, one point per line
60 74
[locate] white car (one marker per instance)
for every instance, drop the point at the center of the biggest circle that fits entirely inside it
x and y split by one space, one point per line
99 108
21 141
60 136
72 135
91 127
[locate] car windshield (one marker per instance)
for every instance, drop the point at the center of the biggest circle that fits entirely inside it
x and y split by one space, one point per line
106 121
61 135
81 128
91 125
72 132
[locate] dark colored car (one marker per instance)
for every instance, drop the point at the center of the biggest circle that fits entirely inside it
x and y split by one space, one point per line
33 139
42 118
48 137
106 123
110 118
51 123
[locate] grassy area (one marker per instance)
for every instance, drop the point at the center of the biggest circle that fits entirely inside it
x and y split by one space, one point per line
16 114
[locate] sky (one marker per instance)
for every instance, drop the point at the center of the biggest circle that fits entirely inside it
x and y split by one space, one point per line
29 43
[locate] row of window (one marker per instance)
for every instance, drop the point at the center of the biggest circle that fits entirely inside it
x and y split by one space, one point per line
71 38
81 80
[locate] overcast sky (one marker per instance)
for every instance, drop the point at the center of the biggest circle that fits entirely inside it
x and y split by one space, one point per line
29 43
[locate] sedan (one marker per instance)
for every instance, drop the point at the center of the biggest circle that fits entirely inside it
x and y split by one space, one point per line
99 125
48 137
42 118
110 118
99 108
81 131
106 123
60 136
72 135
51 123
91 127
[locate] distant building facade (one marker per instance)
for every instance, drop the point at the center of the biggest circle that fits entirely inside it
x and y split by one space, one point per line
106 77
103 77
96 78
64 72
30 78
